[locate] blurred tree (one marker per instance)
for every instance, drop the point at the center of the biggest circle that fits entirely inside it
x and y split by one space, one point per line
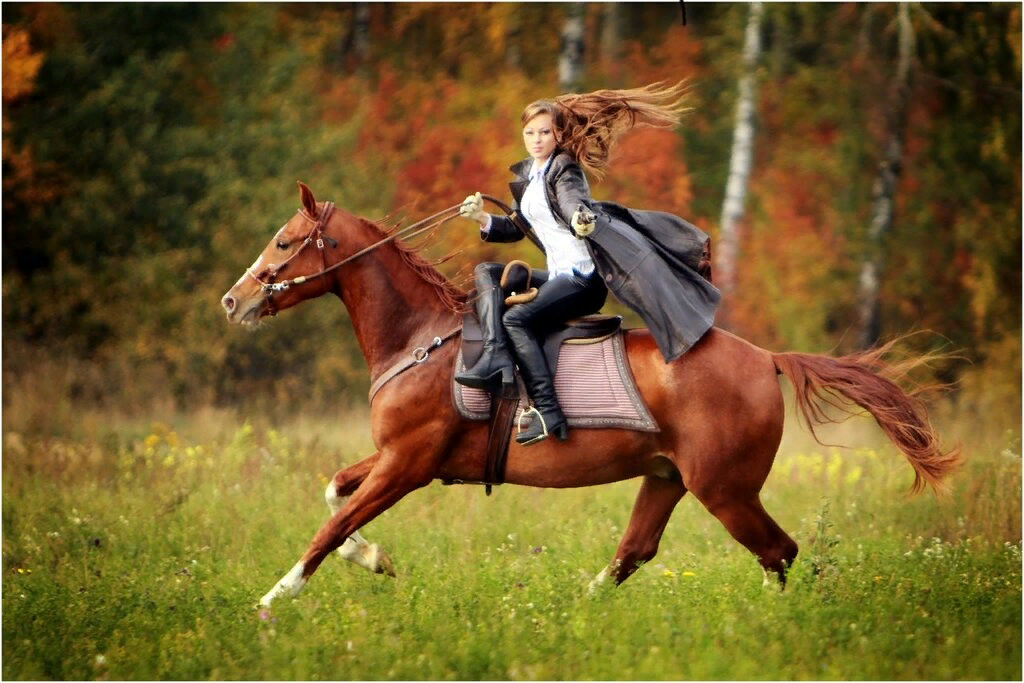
570 54
964 198
100 118
884 188
361 34
353 42
513 34
740 161
611 42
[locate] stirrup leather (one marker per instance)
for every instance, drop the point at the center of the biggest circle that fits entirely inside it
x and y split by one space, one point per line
543 425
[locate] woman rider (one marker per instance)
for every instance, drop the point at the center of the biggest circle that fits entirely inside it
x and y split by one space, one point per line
645 257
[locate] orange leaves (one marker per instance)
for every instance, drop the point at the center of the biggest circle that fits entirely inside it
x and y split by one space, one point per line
647 172
446 167
678 55
20 64
435 139
791 245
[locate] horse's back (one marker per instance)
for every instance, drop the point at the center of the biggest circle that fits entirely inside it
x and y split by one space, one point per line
720 368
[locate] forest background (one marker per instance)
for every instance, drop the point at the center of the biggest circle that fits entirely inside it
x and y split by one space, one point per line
151 150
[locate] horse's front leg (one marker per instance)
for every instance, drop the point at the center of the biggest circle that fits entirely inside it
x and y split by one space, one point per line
654 505
395 474
356 549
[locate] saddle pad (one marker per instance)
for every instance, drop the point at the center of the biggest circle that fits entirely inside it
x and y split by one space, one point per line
594 384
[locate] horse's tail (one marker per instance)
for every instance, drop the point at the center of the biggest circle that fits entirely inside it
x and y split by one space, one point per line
863 378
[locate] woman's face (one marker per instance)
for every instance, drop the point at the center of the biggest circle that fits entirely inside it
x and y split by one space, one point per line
539 137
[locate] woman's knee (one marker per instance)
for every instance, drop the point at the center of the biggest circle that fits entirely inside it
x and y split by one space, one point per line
488 269
516 317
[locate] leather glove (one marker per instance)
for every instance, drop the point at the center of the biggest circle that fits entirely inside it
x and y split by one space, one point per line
583 221
473 209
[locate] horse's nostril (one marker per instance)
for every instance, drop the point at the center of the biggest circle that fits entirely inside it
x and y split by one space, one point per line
228 302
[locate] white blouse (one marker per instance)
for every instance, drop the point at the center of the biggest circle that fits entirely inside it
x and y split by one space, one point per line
566 253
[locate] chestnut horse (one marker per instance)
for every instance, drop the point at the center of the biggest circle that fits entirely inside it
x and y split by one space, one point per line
719 407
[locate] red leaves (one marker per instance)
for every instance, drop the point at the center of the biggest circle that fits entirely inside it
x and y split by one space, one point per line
222 43
647 172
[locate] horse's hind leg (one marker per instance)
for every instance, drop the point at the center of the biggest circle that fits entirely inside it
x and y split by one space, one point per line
356 549
749 524
654 504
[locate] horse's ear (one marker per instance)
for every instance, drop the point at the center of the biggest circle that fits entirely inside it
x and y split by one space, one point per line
307 198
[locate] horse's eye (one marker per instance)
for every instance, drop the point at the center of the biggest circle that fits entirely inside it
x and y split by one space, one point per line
282 245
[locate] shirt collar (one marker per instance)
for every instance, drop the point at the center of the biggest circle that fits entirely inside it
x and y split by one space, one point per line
535 172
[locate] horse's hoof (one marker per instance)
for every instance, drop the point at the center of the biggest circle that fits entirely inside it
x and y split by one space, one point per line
597 582
384 565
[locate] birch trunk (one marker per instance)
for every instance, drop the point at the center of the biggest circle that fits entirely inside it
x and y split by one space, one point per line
513 31
741 159
570 59
884 190
361 34
611 42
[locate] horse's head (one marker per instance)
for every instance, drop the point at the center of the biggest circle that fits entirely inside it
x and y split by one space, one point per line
286 273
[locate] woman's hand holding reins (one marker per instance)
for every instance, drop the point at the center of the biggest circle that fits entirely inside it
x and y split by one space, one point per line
583 221
473 209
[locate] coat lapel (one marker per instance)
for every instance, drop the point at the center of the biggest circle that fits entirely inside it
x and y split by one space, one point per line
521 169
518 187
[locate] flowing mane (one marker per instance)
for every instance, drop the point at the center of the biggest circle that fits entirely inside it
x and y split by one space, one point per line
452 296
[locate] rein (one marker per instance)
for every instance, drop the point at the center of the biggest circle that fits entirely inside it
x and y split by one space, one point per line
317 235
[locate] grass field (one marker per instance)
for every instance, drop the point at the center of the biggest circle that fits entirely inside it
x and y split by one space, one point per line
138 550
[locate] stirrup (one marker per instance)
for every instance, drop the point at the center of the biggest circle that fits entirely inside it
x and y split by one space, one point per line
543 425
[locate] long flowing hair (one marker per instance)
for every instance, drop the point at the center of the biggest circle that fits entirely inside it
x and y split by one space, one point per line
587 126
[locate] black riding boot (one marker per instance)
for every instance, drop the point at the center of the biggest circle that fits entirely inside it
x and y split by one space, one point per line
547 414
495 370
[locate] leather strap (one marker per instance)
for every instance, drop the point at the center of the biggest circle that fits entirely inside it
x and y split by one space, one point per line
418 357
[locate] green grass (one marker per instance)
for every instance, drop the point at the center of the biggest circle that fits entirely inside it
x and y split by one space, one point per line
131 551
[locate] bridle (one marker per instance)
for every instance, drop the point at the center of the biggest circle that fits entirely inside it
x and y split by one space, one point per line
317 236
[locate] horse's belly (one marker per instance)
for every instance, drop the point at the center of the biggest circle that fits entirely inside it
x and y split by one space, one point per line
590 457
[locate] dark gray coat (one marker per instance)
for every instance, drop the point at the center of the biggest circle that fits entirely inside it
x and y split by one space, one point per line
654 262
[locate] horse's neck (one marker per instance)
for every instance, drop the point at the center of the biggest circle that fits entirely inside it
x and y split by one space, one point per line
393 310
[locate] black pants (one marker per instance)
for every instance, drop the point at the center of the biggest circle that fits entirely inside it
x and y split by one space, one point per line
558 299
